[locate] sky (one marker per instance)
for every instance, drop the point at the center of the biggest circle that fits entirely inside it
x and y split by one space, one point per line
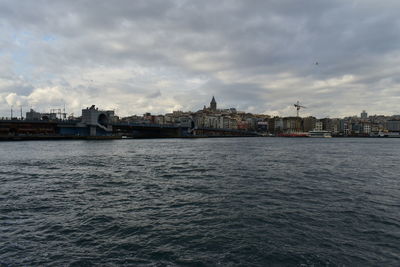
336 57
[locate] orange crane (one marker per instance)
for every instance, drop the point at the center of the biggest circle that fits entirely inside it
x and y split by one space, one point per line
298 107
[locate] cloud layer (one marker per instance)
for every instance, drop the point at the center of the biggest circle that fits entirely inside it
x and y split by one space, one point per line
159 55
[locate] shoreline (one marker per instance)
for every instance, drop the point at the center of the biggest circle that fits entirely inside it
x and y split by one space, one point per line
59 138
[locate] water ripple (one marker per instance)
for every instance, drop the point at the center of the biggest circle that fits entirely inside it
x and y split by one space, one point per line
201 202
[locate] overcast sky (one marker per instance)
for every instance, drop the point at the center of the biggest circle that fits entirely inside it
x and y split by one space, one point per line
139 56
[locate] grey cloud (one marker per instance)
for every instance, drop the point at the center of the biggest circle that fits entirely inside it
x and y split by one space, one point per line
154 94
179 40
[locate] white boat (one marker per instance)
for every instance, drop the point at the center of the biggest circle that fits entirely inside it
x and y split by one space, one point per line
324 134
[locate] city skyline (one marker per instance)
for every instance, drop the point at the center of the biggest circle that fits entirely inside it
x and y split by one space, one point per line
210 120
160 56
19 112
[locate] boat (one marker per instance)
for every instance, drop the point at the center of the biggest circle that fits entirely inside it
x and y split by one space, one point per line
299 134
323 134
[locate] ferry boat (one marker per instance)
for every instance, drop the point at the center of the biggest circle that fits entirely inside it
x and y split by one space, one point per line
324 134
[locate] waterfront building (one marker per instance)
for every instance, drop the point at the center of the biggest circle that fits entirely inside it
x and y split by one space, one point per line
227 122
375 129
159 119
278 125
343 127
335 126
199 120
319 126
356 128
292 125
367 128
262 126
243 125
134 119
327 124
309 123
253 122
184 121
211 122
271 125
393 125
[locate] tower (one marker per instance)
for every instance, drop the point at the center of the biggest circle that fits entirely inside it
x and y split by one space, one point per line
213 104
364 115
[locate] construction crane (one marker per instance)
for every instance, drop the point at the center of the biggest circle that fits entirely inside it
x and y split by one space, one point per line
298 107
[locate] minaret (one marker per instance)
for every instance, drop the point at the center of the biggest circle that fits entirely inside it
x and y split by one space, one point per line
213 104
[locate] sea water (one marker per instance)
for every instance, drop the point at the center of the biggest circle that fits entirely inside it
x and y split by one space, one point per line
200 202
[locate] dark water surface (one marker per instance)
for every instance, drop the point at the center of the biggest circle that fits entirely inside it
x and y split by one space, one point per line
200 202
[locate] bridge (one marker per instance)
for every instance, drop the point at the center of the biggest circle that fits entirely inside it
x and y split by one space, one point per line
140 130
25 129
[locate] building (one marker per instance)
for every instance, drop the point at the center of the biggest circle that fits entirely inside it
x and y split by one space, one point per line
94 116
319 126
327 124
243 125
292 125
271 125
364 115
33 115
393 125
37 116
309 123
262 126
159 119
213 104
278 125
99 121
367 128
